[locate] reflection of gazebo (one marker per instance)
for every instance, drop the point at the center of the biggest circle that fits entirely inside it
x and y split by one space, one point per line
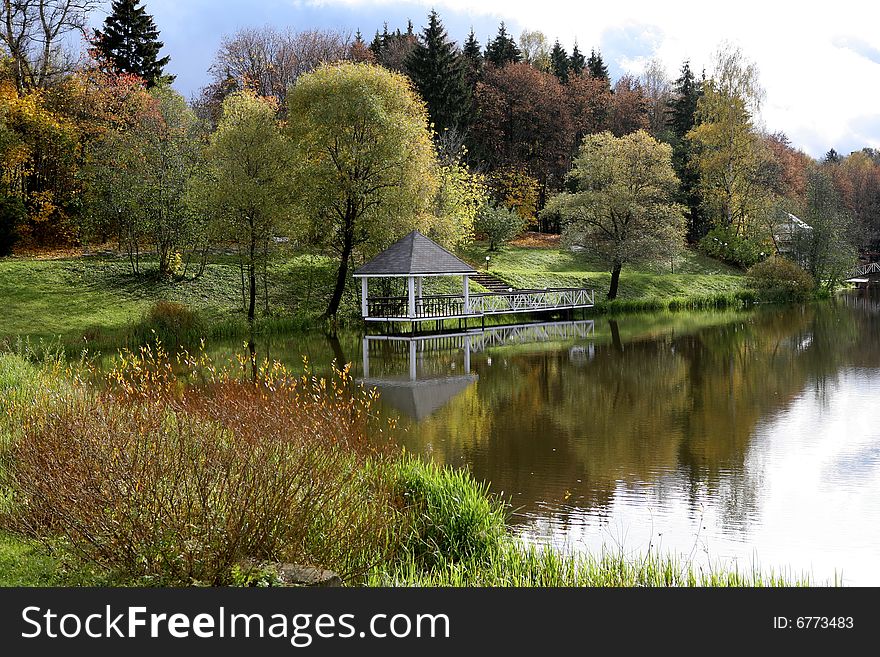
411 395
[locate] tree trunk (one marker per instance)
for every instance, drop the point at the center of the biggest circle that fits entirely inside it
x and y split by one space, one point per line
341 278
252 280
615 280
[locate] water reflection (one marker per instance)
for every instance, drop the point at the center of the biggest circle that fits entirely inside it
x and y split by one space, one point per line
754 436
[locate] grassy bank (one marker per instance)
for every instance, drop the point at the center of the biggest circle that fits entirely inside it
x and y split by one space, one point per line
95 300
690 280
153 474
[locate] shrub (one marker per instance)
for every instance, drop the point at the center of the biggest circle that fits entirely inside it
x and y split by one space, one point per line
451 517
779 279
725 245
160 483
498 224
171 323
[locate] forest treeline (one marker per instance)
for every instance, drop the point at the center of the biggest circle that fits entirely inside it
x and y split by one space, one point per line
341 143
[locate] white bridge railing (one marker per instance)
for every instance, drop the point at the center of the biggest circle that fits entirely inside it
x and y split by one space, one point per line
864 270
522 301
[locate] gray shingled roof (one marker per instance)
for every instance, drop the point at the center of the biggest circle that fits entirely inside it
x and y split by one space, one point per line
419 399
414 254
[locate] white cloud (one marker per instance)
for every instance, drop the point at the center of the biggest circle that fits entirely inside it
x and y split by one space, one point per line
821 69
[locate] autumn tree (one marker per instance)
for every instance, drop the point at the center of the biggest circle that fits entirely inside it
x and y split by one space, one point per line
589 102
502 49
621 206
366 168
729 155
827 250
34 33
267 61
438 73
629 107
533 47
139 178
393 49
129 43
657 90
522 120
857 179
247 183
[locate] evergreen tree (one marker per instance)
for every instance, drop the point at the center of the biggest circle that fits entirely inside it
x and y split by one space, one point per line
502 49
473 59
681 117
832 157
559 62
438 73
376 44
597 67
130 42
576 63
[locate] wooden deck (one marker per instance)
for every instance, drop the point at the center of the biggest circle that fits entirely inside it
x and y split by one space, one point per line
459 306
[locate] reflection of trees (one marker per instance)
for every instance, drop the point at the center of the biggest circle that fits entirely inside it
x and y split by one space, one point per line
640 411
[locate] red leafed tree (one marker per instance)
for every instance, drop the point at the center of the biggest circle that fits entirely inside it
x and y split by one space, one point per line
523 120
629 107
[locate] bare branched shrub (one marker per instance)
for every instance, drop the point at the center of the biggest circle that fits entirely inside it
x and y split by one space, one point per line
174 484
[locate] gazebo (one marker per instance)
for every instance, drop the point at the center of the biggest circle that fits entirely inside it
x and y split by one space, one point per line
415 257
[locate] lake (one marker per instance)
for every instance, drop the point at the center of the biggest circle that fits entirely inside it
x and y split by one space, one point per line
733 436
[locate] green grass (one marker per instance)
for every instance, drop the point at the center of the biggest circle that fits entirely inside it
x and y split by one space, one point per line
695 277
518 565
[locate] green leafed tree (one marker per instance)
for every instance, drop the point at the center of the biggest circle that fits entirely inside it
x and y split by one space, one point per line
438 73
366 170
503 49
726 149
827 249
499 225
247 183
130 42
620 207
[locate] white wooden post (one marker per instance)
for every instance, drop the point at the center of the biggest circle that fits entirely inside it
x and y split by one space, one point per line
412 360
411 289
419 287
365 309
366 348
467 295
467 354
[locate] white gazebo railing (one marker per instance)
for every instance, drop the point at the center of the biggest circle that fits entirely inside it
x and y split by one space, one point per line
523 301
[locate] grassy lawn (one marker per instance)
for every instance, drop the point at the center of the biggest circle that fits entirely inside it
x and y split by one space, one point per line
691 275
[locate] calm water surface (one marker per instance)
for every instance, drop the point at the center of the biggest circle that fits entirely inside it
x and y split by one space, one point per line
747 437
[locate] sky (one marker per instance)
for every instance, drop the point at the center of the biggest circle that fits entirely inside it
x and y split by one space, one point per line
820 68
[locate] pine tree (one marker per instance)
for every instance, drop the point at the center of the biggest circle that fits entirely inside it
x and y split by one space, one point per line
559 63
682 109
130 42
473 59
437 71
597 67
576 63
502 49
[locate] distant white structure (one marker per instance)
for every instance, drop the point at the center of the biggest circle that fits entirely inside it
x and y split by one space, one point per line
787 231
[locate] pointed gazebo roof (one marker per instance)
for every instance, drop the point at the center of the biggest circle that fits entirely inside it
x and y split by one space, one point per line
414 255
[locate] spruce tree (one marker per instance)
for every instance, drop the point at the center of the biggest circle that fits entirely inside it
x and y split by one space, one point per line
473 59
130 42
559 62
576 63
502 49
597 67
437 71
681 117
